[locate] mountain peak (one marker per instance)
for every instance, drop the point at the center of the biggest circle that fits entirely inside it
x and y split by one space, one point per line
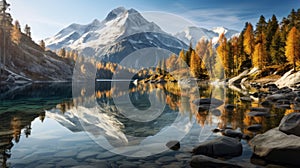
115 13
125 27
131 11
95 22
220 30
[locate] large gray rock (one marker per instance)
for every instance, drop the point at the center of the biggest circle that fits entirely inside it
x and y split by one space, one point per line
290 124
222 146
204 161
277 146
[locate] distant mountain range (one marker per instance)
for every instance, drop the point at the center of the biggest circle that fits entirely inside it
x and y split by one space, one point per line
193 34
124 31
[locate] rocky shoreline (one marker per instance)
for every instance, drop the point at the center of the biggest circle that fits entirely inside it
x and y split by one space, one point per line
277 147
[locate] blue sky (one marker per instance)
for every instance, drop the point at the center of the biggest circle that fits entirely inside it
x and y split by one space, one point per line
47 17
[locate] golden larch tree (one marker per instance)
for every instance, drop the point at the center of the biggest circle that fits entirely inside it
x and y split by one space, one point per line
16 32
292 48
259 57
201 50
195 64
222 52
249 40
235 54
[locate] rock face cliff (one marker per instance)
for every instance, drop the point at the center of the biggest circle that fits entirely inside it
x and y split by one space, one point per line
27 61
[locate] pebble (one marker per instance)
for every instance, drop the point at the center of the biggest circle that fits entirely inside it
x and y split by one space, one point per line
69 153
105 155
85 154
174 165
67 162
165 159
183 156
149 165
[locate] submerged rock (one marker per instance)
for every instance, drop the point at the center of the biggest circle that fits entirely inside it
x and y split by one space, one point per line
266 103
283 101
290 124
232 133
173 145
278 147
216 130
216 112
276 97
229 107
211 101
271 87
260 109
246 99
283 106
220 147
204 161
258 114
254 128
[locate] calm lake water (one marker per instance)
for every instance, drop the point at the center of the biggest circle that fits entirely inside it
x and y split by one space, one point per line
113 124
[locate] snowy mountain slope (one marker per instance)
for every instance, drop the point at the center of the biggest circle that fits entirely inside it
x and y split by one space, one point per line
120 33
229 33
194 34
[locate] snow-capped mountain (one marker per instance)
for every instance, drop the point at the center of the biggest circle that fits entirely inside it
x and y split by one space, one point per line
193 34
229 33
119 34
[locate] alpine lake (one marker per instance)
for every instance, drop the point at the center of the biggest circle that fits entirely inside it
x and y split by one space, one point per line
120 124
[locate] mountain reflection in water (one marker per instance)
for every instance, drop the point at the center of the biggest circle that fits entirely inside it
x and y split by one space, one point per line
18 109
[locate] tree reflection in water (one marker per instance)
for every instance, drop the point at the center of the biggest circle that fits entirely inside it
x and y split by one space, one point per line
18 109
177 100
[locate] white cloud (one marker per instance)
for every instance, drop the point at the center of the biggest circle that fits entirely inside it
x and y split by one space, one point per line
208 18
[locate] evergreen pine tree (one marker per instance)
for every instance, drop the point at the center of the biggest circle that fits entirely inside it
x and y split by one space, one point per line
261 26
62 52
42 45
271 30
292 18
277 51
244 60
